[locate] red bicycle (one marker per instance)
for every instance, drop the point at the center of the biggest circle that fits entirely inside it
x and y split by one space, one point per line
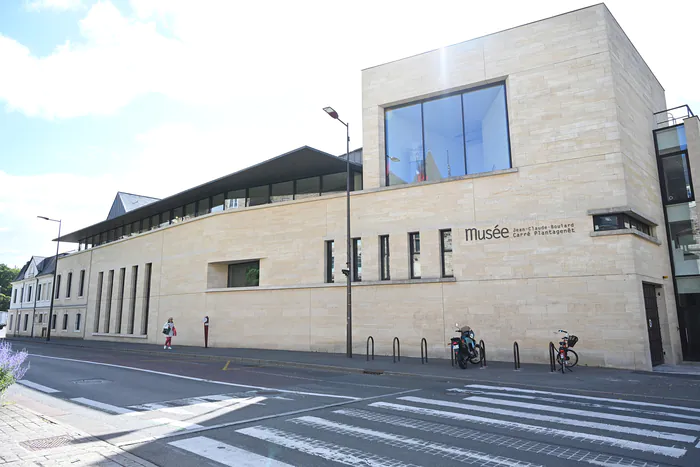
566 357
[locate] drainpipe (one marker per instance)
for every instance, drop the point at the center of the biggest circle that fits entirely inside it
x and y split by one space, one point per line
36 290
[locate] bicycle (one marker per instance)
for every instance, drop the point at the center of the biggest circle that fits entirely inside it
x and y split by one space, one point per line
564 357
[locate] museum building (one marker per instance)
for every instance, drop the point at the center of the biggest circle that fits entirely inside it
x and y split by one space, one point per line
522 182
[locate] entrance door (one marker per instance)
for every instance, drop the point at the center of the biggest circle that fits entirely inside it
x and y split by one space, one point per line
657 350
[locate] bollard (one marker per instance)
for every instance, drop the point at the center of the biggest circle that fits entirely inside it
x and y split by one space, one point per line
370 337
423 341
483 354
552 358
206 332
396 345
516 356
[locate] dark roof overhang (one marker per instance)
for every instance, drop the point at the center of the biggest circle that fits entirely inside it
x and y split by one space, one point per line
299 163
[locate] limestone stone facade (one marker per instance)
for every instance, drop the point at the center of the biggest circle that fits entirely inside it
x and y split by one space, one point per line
580 103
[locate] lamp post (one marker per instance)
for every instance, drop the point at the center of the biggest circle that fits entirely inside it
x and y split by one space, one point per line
55 269
348 350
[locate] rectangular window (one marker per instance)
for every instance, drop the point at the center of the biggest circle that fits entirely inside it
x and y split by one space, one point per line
357 259
334 183
235 199
619 221
203 207
127 230
58 286
155 221
77 321
164 219
132 307
244 274
38 291
384 271
308 188
282 192
448 136
177 214
189 211
676 174
110 235
145 225
259 195
217 203
108 302
330 261
11 320
446 253
81 284
53 322
26 321
41 318
65 321
98 302
135 227
119 233
21 295
146 299
69 282
414 254
14 296
671 140
29 294
120 301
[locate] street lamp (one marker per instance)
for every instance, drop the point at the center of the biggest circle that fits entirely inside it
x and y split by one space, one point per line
348 350
55 269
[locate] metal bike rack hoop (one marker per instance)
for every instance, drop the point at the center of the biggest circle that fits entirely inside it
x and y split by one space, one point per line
396 345
368 339
423 342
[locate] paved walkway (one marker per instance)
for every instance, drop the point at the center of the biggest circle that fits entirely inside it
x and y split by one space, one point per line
31 439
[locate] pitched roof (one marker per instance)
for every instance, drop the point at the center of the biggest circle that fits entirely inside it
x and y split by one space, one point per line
125 202
23 272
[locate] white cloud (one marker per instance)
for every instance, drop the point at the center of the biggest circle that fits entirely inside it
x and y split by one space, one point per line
56 5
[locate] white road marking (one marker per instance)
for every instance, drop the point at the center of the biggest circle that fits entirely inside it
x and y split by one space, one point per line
325 450
597 439
224 453
191 378
37 386
408 442
177 423
101 405
558 420
585 413
576 396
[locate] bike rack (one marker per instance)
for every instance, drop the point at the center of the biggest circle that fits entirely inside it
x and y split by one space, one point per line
422 342
396 345
552 358
368 339
516 356
483 354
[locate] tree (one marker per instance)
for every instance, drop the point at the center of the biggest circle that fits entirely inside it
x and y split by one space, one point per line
7 275
4 302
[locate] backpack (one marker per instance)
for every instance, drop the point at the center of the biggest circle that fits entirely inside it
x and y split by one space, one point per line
166 329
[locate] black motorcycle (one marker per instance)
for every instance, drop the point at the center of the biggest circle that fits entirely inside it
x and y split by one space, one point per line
465 347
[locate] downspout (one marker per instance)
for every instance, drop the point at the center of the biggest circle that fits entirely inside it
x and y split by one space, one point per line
36 292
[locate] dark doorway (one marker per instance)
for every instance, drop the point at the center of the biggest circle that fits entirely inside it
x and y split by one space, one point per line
652 309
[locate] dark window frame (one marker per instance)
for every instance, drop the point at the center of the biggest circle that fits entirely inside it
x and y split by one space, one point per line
69 283
443 251
77 322
249 266
330 261
623 221
81 283
65 322
412 237
384 258
58 286
356 272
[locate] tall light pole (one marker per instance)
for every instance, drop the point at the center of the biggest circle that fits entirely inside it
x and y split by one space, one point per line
348 338
55 269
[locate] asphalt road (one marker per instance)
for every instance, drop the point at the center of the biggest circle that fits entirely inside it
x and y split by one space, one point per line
180 411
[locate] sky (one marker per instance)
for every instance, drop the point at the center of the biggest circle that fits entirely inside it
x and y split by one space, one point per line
156 96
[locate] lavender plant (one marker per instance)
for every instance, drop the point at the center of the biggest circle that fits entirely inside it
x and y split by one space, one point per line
11 365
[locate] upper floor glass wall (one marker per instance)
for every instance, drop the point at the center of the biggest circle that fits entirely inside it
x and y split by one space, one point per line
450 136
671 140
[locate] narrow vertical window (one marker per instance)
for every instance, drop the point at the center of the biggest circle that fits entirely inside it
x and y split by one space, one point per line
414 247
120 301
77 322
29 294
11 319
65 321
53 322
81 285
14 296
26 321
330 261
146 299
132 307
98 302
38 291
357 259
446 253
68 284
58 286
108 303
384 272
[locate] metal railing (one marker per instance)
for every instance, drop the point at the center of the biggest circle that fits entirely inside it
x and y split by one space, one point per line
672 116
396 345
368 339
422 343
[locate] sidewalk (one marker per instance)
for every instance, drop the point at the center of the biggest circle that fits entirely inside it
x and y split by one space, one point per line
31 439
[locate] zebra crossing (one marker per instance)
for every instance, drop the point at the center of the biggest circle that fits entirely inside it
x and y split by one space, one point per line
475 424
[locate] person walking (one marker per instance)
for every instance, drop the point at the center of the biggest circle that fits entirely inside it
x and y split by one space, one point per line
169 331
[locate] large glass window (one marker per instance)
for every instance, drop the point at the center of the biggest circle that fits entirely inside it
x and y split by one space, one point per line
684 232
218 203
282 192
330 261
120 233
177 215
450 136
135 227
671 140
357 259
244 274
308 188
414 247
444 138
155 221
384 271
203 207
164 219
189 211
677 178
258 195
404 145
334 183
235 199
127 230
446 253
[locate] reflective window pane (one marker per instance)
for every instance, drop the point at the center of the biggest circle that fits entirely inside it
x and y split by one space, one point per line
357 259
155 221
357 181
120 233
685 238
110 235
414 247
282 192
127 230
609 222
308 188
218 203
446 247
189 211
334 183
444 138
177 215
259 195
404 145
203 207
135 227
677 178
235 199
244 274
486 130
671 140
